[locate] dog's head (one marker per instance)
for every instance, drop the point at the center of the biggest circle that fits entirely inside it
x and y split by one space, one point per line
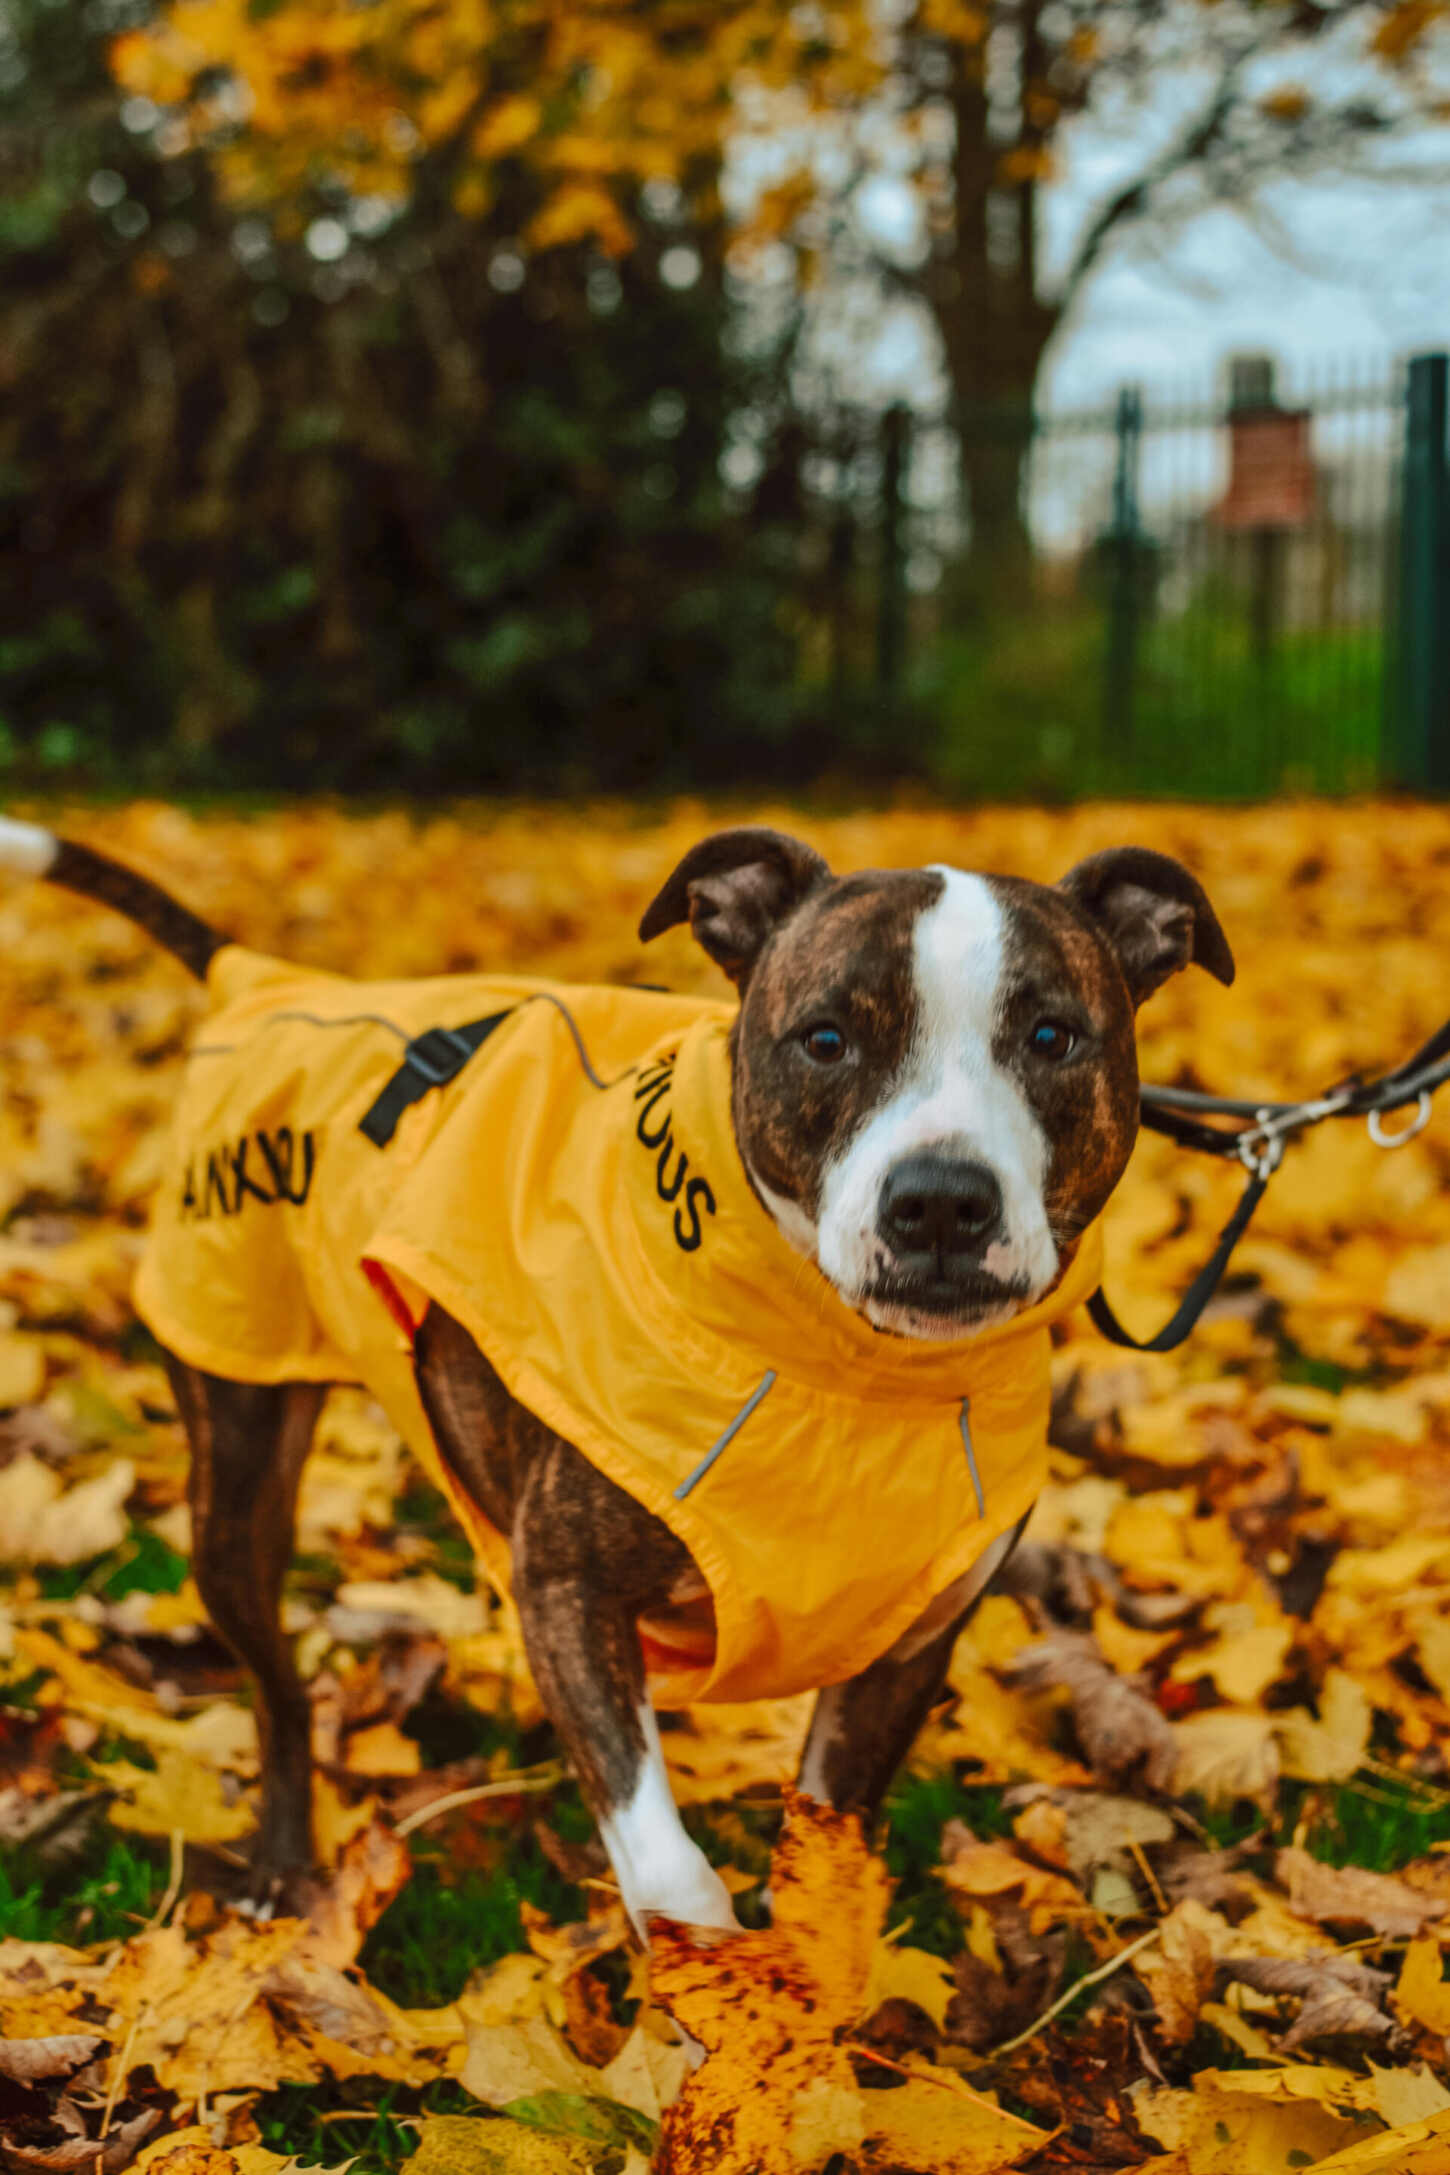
936 1077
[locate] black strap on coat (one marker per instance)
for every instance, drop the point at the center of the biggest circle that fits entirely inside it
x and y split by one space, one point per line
430 1061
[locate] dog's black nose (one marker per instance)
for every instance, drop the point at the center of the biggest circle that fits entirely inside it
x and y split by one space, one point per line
935 1209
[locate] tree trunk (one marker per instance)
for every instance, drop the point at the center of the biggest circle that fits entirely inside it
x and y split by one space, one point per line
994 328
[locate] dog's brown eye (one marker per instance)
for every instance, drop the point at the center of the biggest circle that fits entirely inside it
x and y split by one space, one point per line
1050 1039
825 1043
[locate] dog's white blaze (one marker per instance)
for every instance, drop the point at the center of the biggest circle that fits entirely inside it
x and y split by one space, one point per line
656 1864
952 1095
25 847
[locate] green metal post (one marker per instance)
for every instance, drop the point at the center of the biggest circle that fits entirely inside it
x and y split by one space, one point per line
1424 616
1124 539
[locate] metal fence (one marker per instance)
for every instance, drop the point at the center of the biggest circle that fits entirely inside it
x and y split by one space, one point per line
1227 597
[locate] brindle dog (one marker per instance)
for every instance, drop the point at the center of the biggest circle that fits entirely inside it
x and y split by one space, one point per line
935 1090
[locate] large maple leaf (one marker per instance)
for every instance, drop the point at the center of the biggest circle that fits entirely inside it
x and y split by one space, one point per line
777 2093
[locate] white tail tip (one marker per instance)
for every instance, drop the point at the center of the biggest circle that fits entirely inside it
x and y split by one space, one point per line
25 847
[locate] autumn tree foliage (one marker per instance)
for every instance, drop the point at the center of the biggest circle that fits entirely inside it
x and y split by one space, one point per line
309 479
973 100
372 374
1208 103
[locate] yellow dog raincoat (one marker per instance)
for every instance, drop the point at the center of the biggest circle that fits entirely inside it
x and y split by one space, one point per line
575 1198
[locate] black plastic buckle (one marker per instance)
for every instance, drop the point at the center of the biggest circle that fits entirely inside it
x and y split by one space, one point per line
438 1054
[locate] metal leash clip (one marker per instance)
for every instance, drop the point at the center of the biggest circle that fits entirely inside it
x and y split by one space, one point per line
1417 1124
1261 1146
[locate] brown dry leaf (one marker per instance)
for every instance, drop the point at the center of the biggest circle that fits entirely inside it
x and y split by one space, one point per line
31 2061
1347 1896
83 2152
345 1902
1099 1829
1179 1968
1124 1737
990 2005
1341 1998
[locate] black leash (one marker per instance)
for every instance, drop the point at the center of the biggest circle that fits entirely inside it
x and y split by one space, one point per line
1258 1142
1199 1292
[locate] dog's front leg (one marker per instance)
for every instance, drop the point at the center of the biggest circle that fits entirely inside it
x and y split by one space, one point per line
862 1730
583 1647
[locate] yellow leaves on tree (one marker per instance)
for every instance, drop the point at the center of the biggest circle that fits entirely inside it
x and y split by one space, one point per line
373 97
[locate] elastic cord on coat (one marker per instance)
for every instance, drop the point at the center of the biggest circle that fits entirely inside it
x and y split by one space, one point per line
966 1426
691 1480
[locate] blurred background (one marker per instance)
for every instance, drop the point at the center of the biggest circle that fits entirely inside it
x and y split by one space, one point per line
1024 398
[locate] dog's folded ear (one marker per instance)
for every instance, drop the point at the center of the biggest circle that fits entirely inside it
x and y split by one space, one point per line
734 888
1153 912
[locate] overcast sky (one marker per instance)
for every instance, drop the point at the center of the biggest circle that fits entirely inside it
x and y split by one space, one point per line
1359 274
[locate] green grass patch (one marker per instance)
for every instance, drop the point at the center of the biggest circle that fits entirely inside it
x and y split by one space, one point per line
447 1924
107 1893
364 2120
916 1812
1375 1823
144 1563
1019 707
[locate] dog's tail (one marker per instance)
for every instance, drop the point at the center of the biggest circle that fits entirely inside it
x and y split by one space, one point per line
32 851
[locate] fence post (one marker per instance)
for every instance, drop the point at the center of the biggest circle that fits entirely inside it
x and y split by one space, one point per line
1124 573
1424 618
891 621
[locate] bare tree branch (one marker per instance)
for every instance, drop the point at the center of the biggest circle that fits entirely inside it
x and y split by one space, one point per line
1189 148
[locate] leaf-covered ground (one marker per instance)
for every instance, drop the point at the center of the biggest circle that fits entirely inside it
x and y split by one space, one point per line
1168 1881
